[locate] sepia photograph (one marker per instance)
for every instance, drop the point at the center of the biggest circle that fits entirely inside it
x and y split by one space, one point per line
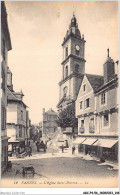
59 94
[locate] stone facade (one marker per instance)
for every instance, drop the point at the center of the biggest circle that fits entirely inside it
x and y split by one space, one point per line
73 69
5 47
49 125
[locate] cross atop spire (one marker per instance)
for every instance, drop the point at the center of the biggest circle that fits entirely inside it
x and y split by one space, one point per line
108 52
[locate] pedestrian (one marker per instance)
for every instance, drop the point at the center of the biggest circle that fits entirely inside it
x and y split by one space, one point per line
74 149
62 148
30 151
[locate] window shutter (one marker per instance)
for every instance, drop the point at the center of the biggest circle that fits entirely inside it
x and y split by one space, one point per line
85 103
89 102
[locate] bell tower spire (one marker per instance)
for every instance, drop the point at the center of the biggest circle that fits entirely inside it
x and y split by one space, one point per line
73 63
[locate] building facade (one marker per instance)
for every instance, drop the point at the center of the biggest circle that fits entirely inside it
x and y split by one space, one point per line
5 47
73 69
49 124
97 113
17 117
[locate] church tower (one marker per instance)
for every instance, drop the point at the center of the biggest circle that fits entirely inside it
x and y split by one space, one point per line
73 63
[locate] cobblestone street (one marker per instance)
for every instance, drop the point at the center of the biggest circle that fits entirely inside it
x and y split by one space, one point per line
57 166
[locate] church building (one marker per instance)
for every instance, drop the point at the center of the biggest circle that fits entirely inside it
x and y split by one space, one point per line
73 69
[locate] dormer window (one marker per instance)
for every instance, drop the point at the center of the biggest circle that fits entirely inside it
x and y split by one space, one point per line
66 52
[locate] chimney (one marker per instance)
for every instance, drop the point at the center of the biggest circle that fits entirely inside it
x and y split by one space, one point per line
108 69
43 110
9 79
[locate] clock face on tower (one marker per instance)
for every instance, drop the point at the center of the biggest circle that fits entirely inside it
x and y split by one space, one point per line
77 47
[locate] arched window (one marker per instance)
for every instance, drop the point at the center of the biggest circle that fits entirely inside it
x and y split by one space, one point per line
66 71
76 68
66 51
65 89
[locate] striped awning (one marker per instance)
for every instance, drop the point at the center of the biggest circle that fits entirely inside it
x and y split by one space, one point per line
106 143
79 140
89 141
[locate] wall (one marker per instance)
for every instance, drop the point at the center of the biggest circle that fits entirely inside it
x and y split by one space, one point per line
67 44
74 42
82 96
11 132
12 113
21 107
110 95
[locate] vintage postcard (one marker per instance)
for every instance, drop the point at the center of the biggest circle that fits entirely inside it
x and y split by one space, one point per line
59 94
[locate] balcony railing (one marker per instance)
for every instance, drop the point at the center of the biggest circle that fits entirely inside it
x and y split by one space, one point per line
82 129
91 129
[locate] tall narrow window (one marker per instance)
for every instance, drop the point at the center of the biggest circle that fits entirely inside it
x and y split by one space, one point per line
81 104
76 68
65 89
3 118
82 123
21 115
84 88
66 71
20 131
66 51
103 99
3 80
106 120
87 103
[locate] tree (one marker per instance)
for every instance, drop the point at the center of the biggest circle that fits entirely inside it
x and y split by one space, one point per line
67 117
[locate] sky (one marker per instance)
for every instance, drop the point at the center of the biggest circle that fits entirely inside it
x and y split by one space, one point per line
37 30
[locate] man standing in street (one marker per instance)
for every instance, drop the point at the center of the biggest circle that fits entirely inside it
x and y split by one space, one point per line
30 151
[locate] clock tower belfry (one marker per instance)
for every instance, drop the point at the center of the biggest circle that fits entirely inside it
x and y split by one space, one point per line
73 62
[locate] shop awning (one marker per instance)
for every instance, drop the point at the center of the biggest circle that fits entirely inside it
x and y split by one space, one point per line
79 140
89 141
106 143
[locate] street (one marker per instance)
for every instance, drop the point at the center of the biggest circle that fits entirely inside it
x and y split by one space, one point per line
57 166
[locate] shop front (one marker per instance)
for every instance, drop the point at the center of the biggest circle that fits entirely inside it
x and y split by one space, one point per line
15 147
78 144
107 149
88 145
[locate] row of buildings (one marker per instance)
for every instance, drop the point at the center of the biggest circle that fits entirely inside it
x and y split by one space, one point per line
93 98
15 122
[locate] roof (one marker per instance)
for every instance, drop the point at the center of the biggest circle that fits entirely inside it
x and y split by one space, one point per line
114 80
51 112
96 81
12 97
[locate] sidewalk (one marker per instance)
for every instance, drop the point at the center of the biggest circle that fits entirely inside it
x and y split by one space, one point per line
111 164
